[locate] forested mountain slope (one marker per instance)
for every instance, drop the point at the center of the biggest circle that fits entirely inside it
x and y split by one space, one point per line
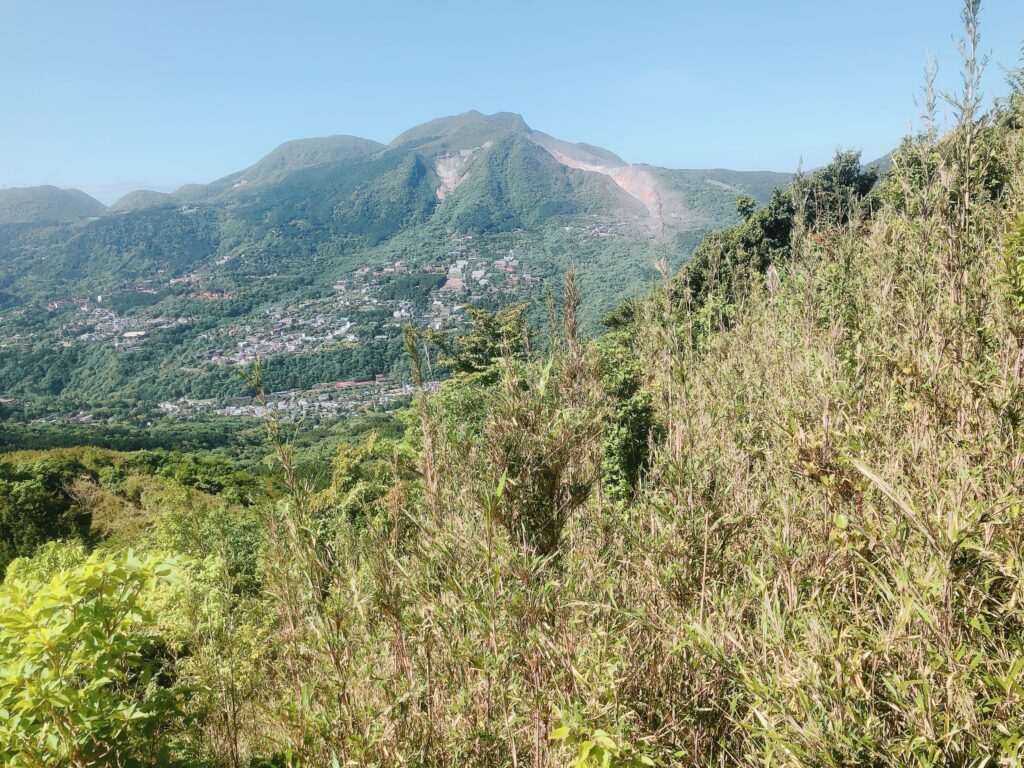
43 205
339 236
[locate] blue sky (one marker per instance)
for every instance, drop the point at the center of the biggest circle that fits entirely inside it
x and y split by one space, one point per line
112 96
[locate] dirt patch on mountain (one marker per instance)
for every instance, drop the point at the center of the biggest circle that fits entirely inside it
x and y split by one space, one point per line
451 170
636 181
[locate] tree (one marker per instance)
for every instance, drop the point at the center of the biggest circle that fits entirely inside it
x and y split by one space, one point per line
36 506
745 206
725 260
491 337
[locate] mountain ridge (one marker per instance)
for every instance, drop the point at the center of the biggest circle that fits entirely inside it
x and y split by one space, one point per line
452 135
446 136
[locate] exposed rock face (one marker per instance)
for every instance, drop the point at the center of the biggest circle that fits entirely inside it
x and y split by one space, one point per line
636 180
451 168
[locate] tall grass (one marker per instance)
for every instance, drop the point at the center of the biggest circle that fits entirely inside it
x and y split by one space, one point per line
821 561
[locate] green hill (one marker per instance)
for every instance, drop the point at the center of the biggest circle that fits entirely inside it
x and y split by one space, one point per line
38 205
290 157
142 198
470 129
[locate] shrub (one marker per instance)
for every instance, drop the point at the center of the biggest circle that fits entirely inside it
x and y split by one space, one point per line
81 680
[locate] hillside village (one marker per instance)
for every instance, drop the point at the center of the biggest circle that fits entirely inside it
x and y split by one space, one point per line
371 304
328 401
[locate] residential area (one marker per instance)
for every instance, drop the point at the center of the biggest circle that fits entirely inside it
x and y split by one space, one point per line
326 401
227 315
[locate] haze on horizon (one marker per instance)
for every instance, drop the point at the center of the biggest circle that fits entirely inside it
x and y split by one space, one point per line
127 97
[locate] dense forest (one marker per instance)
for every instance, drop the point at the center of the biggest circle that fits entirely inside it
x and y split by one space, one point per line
771 515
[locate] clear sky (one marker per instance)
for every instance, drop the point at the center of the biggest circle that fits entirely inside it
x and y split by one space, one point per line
113 95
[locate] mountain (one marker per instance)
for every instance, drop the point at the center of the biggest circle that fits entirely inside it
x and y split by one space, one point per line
142 198
881 164
515 159
288 158
340 227
46 204
459 131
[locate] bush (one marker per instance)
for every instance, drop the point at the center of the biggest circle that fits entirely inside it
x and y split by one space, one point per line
81 677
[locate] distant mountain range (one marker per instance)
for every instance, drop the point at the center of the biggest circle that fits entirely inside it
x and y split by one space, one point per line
342 197
318 212
451 145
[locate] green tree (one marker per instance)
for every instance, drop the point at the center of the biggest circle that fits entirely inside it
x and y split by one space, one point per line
491 336
36 506
745 206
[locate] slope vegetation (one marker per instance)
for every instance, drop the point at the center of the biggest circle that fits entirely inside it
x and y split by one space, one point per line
34 205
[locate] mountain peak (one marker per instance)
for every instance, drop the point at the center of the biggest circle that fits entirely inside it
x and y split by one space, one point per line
139 199
464 130
305 153
294 156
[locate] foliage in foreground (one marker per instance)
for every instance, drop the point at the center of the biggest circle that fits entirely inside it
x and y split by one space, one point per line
81 663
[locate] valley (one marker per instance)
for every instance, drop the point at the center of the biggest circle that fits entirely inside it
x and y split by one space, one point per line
314 258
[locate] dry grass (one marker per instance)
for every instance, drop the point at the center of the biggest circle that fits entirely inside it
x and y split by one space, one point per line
824 564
